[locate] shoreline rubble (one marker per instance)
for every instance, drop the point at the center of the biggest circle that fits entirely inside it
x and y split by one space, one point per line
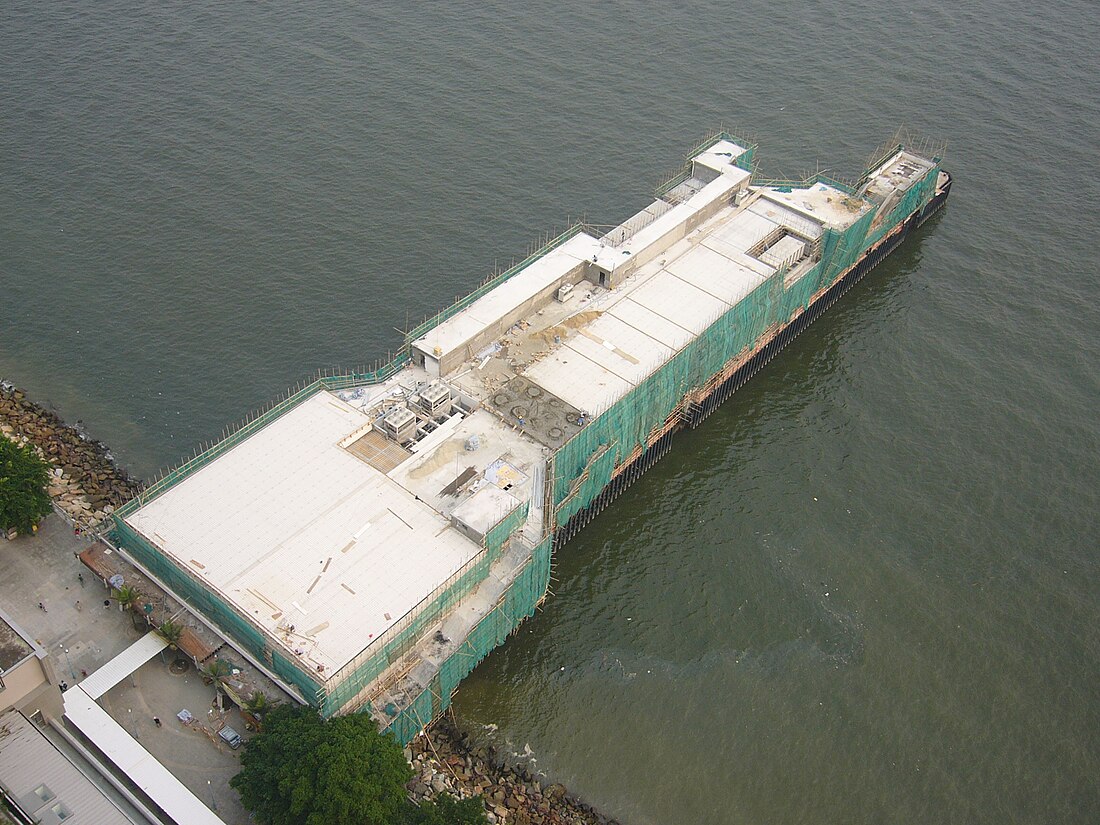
86 484
446 760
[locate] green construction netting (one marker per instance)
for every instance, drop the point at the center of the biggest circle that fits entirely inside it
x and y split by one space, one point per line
518 602
918 195
369 664
347 683
210 606
584 465
497 537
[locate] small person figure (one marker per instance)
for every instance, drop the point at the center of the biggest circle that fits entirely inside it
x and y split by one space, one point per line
78 604
106 603
156 721
80 578
42 607
83 673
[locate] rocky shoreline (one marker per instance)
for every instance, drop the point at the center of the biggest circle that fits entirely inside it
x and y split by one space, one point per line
85 482
445 760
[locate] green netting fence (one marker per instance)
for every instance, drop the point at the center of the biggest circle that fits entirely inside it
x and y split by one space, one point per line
401 637
208 604
516 604
915 198
498 536
584 465
347 683
491 284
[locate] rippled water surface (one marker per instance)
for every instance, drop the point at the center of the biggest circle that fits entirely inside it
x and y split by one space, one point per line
867 589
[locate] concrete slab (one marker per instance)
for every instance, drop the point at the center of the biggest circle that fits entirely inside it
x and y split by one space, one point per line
77 630
194 754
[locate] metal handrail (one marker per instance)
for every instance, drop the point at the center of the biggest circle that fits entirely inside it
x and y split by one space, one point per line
490 284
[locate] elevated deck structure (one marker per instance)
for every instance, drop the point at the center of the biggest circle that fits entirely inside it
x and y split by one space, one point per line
373 536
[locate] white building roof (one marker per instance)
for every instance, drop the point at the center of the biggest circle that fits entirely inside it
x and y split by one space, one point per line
292 529
488 310
29 762
485 508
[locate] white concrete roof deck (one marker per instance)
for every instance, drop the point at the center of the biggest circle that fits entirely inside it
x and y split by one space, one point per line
289 527
721 157
429 471
726 279
485 508
815 204
577 380
656 312
660 328
902 168
506 298
611 258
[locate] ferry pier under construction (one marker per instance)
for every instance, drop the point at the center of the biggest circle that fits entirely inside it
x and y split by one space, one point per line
370 538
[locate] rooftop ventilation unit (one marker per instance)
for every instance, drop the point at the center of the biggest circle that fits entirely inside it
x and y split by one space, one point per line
399 424
436 399
564 291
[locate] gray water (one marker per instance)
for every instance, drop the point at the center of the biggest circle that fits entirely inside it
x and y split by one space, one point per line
867 589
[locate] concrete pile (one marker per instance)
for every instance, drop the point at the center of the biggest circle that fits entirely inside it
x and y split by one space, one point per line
445 761
85 483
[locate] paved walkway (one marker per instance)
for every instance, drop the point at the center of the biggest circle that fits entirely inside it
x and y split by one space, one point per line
193 753
77 630
81 635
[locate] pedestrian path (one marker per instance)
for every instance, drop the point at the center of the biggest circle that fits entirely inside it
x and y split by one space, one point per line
123 664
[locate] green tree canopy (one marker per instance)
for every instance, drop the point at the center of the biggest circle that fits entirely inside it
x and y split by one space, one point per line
23 478
302 770
446 810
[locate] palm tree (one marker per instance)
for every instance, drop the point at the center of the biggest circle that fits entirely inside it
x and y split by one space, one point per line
170 631
257 704
254 708
215 671
129 598
126 596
